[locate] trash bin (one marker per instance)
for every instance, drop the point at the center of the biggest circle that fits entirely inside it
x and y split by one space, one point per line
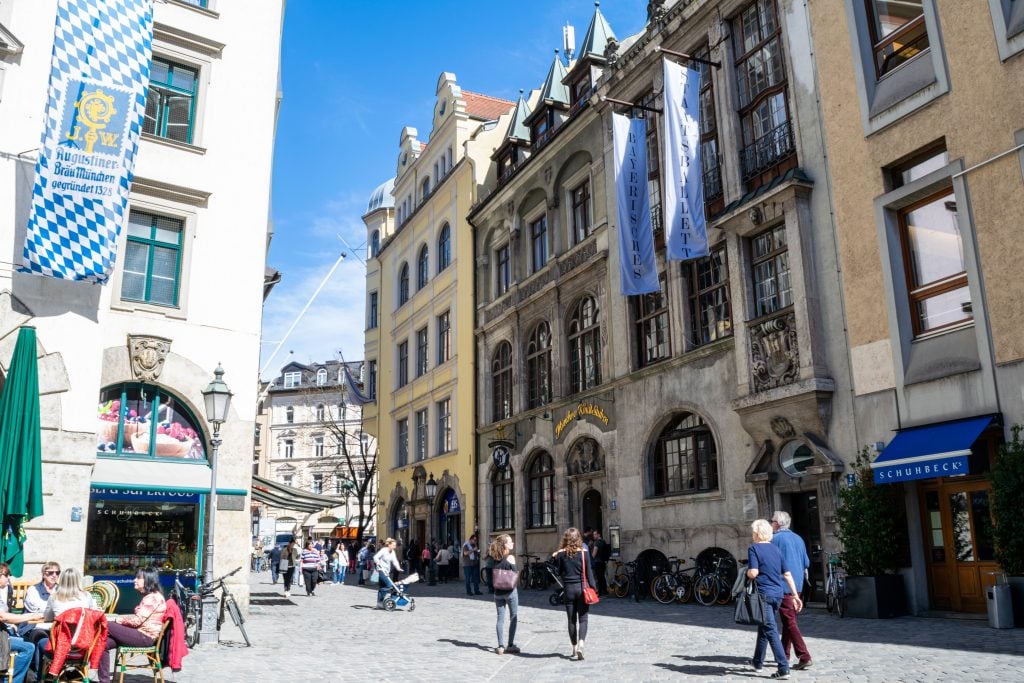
1000 604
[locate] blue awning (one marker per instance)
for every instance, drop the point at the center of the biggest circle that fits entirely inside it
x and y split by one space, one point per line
938 450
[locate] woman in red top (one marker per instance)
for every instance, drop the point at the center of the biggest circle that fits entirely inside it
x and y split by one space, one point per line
142 628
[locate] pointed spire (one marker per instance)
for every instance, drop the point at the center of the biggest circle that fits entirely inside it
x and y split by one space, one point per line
517 129
554 90
598 34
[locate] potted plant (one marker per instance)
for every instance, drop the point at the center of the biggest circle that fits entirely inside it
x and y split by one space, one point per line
871 528
1007 500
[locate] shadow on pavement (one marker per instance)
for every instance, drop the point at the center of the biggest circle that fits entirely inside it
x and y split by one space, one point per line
695 670
735 661
463 643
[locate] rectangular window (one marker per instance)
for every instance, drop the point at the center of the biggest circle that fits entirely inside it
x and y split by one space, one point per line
770 266
171 100
898 33
421 434
764 111
292 379
503 263
710 310
152 259
444 426
539 242
402 443
421 352
371 317
371 379
318 483
650 312
581 227
653 167
403 364
286 480
709 136
444 337
318 447
289 448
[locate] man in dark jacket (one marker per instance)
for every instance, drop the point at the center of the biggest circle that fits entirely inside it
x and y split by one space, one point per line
275 561
601 551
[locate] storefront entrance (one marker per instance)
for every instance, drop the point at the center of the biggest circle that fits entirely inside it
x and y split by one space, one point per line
959 552
449 519
807 525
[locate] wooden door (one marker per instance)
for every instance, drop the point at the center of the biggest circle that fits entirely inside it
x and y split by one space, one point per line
807 525
959 552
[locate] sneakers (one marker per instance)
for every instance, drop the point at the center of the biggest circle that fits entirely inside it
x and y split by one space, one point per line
287 594
800 666
380 605
500 650
781 675
512 650
754 665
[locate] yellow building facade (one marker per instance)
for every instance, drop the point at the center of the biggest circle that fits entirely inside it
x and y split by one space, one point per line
419 341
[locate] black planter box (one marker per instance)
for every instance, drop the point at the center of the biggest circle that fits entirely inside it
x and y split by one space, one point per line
876 597
1017 595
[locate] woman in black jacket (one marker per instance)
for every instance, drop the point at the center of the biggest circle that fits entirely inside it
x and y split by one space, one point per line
572 557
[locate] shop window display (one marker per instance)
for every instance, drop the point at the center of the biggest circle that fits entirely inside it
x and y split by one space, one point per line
140 420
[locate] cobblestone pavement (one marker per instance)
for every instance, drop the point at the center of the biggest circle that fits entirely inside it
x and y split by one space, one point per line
338 636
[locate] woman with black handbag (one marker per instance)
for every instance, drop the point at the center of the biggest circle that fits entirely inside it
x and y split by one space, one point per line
505 577
767 566
577 572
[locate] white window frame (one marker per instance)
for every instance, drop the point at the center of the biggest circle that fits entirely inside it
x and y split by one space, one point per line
1008 22
292 380
321 377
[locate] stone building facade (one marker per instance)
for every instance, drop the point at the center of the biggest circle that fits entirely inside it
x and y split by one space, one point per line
126 444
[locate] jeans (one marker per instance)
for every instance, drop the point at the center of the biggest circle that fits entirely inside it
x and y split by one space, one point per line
472 574
339 573
386 586
273 572
119 634
512 600
577 611
23 651
768 635
791 631
309 575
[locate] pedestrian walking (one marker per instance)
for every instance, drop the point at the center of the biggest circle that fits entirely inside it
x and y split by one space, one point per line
471 565
412 556
574 563
443 558
425 560
289 564
794 553
384 560
767 566
361 563
600 553
275 563
505 594
310 566
341 558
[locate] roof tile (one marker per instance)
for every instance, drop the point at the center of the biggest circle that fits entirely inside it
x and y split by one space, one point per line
484 106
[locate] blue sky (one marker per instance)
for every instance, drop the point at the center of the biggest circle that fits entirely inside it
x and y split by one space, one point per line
354 74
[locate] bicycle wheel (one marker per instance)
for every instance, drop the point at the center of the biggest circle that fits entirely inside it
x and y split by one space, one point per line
236 616
620 586
664 589
830 597
724 592
684 588
524 578
706 589
191 629
841 598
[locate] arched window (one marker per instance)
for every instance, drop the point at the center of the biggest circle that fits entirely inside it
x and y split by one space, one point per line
425 190
403 284
321 377
541 489
684 459
289 415
141 420
584 346
501 376
444 248
503 499
538 366
422 268
375 244
320 413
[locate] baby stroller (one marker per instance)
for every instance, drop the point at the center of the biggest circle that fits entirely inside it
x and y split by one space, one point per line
558 597
397 597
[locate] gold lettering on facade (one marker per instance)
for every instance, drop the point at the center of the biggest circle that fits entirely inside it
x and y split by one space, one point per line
591 409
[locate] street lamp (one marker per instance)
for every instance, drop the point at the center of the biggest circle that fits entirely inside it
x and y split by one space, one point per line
431 487
217 398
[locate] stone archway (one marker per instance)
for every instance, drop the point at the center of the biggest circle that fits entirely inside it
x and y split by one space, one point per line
585 477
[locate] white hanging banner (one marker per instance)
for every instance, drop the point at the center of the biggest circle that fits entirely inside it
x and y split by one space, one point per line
685 226
637 266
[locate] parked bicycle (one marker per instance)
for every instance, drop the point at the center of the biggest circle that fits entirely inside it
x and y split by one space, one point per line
716 585
534 573
677 583
622 578
190 604
835 585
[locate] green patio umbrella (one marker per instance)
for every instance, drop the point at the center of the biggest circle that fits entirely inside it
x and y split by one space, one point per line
21 461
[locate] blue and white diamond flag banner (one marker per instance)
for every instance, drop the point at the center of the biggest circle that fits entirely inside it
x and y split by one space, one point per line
685 226
637 266
99 74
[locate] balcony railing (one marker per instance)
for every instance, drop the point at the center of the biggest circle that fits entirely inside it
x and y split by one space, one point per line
767 151
713 181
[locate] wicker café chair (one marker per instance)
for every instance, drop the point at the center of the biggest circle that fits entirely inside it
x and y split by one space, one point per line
106 594
151 653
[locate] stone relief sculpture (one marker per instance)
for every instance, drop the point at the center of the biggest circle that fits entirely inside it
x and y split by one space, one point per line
147 356
774 353
585 457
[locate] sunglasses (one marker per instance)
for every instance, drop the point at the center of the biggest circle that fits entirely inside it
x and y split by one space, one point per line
52 573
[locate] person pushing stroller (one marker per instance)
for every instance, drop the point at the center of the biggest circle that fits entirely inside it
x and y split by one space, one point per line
383 561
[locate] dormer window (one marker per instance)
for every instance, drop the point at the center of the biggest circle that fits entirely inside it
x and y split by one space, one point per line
292 379
580 89
321 377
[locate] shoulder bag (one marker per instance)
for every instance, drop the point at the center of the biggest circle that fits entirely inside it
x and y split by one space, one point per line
589 594
750 605
504 577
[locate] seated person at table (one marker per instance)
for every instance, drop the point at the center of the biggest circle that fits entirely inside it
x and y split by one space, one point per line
69 594
22 649
142 628
38 595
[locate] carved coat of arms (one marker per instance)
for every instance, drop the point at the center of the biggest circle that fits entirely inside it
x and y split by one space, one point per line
148 355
